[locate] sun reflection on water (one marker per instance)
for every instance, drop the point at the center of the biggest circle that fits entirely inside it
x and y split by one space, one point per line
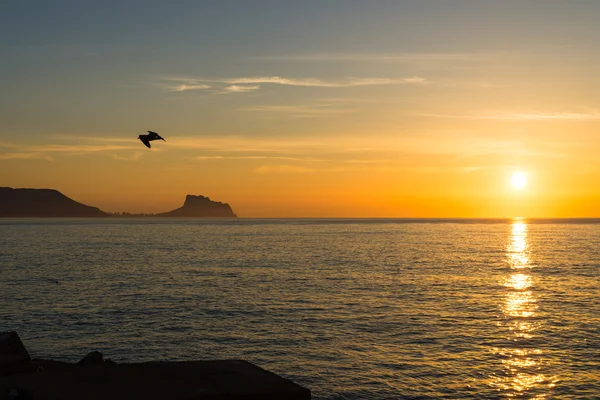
520 304
518 281
522 367
517 251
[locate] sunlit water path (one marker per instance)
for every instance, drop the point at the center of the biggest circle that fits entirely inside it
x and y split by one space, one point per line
352 309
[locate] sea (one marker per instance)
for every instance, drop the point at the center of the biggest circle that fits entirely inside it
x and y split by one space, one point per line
349 308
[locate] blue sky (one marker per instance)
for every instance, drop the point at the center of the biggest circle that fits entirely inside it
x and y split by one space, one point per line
65 51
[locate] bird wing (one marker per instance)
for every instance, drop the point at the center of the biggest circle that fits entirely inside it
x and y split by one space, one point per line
155 136
145 141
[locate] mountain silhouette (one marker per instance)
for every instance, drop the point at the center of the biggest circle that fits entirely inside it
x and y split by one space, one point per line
42 203
200 206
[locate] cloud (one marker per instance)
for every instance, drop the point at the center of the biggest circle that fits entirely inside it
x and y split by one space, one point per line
265 169
294 146
322 83
378 57
135 156
93 137
522 116
259 157
212 157
368 161
553 116
76 147
18 152
240 88
239 144
292 169
189 86
301 110
240 85
24 156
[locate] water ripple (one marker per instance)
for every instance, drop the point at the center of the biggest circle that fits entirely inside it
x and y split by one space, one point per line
353 309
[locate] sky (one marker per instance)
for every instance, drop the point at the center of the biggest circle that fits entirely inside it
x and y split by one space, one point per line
414 108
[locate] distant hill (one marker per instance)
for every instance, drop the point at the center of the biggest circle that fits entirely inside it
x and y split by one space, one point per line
42 203
200 206
52 203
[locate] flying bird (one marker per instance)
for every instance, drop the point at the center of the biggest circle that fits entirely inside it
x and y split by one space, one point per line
146 139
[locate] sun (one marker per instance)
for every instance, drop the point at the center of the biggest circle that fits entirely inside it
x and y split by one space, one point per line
518 180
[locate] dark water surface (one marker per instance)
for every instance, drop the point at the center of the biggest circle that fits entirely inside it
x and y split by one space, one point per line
352 309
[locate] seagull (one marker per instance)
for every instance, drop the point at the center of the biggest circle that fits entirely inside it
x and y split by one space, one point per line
146 139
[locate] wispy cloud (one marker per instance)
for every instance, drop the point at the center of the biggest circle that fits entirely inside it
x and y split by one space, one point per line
246 84
377 57
522 116
77 148
301 110
24 156
77 145
135 156
190 86
293 146
203 158
265 169
240 88
323 83
553 116
96 137
260 157
291 169
369 161
357 149
318 154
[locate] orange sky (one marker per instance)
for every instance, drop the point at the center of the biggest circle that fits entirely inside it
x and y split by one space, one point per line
398 109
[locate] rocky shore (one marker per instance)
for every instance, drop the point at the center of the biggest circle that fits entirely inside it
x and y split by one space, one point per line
95 378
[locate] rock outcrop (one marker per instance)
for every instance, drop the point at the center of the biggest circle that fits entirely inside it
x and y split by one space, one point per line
42 203
37 203
94 378
14 358
200 207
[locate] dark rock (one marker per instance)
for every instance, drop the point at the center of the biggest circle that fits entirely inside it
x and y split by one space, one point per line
200 207
52 365
14 358
16 393
186 380
42 203
92 358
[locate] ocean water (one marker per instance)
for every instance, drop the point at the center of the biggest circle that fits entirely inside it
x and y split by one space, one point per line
352 309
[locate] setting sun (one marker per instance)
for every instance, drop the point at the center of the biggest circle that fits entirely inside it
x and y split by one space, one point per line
306 122
371 166
518 180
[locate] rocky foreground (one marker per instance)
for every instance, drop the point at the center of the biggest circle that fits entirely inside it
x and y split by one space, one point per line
95 378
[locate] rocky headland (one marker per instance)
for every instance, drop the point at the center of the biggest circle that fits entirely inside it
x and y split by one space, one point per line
42 203
199 207
38 203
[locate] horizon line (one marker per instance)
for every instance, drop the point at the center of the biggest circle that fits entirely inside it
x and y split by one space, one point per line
375 219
